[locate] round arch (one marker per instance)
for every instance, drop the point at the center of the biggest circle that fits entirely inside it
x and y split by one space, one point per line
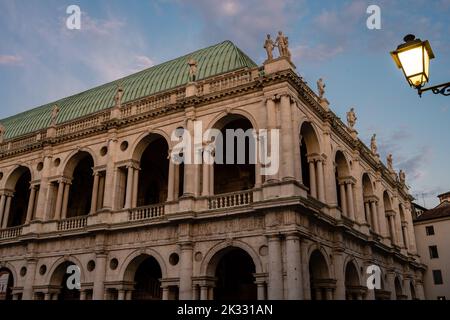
342 164
367 184
216 122
309 134
11 269
212 257
60 262
145 139
130 265
74 158
15 173
317 247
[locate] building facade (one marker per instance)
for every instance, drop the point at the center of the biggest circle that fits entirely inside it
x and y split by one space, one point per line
88 181
431 230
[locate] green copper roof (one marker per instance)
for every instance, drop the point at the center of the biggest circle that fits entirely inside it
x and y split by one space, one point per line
217 59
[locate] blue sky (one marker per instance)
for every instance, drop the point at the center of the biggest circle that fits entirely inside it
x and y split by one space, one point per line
42 61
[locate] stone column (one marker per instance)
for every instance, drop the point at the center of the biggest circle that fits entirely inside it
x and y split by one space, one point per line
45 187
344 208
203 292
195 292
121 295
129 295
31 201
171 182
405 234
59 199
271 124
261 291
305 269
48 296
351 204
29 282
100 272
293 268
165 293
7 209
186 271
94 193
339 273
83 295
135 188
129 192
65 200
275 290
320 181
189 169
312 179
287 159
205 186
329 293
2 209
368 216
391 284
375 217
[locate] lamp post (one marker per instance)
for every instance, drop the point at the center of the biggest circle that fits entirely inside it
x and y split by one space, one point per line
413 57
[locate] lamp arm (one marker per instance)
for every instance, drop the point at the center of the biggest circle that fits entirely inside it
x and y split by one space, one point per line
443 89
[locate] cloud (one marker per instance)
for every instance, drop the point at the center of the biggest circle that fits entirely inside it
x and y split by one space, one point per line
245 22
317 53
10 60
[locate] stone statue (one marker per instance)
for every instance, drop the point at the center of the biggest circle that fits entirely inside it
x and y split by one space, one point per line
269 45
389 160
282 44
192 70
321 88
2 132
55 112
402 176
288 52
118 96
351 118
373 144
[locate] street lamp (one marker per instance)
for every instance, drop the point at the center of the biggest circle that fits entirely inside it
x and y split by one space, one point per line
413 57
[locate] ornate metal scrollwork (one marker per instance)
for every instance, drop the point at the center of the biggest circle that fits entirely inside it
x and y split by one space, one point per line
445 90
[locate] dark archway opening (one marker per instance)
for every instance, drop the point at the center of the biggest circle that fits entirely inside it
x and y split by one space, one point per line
81 189
60 278
19 203
319 276
154 173
235 280
233 177
147 280
6 284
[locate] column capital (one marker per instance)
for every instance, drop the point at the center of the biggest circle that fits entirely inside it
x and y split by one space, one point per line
292 235
7 192
390 213
371 198
273 237
186 245
347 180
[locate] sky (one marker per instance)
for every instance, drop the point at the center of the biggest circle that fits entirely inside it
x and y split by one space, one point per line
42 61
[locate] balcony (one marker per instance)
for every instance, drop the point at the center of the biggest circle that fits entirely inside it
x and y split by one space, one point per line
146 213
231 200
72 223
10 233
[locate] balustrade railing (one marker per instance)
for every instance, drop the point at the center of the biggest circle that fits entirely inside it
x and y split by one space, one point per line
231 200
72 223
147 212
10 232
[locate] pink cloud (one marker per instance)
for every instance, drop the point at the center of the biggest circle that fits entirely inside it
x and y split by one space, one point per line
10 59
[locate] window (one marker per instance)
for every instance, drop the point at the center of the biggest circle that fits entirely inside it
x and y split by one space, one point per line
429 230
437 277
433 252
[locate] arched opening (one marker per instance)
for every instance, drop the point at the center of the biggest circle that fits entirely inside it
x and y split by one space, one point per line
342 171
153 176
59 281
19 182
146 273
234 272
321 285
368 197
237 172
80 169
353 289
6 284
309 146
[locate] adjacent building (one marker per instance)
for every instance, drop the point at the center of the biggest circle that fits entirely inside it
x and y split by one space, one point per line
432 229
89 181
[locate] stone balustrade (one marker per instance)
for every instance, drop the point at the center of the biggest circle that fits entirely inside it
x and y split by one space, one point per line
147 212
231 200
10 233
72 223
